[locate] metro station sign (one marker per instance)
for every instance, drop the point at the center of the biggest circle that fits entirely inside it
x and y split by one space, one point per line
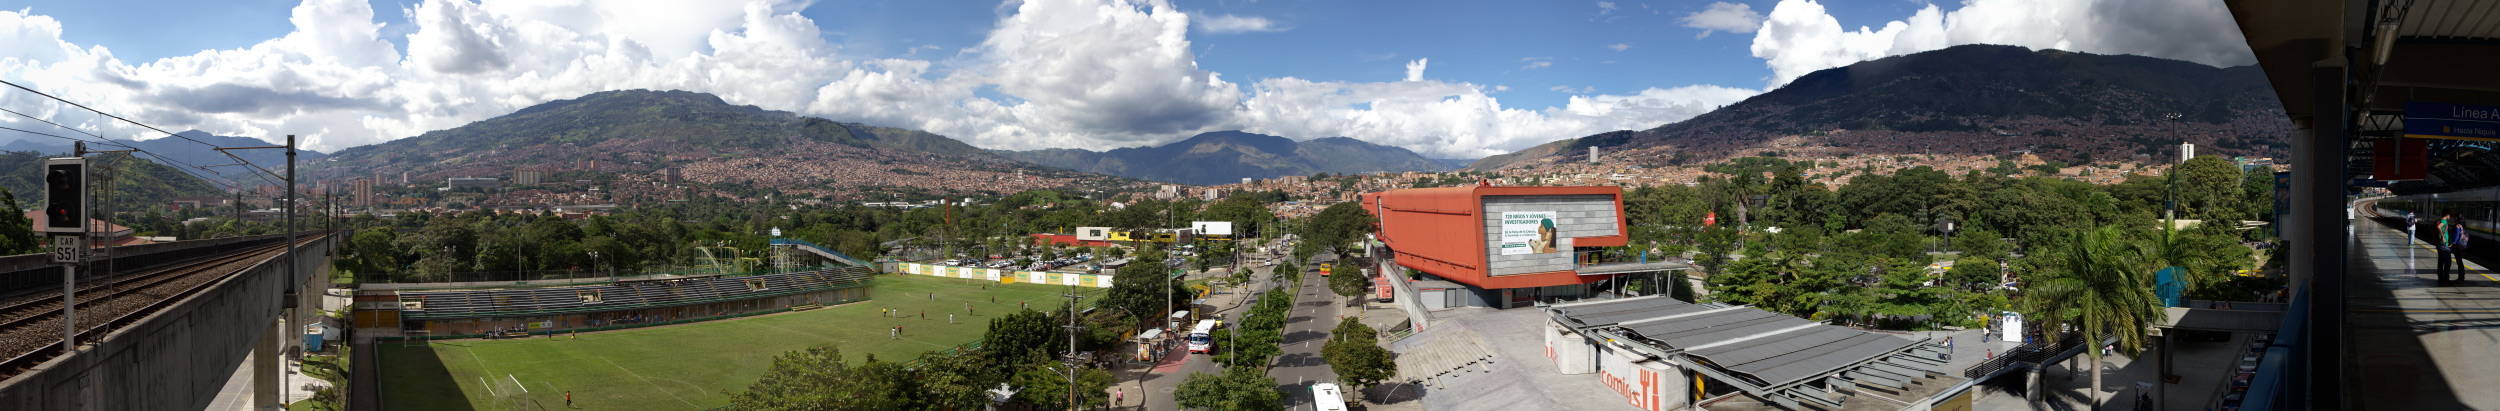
2452 121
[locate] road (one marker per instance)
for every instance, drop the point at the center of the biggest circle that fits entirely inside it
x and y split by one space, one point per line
1314 314
1158 383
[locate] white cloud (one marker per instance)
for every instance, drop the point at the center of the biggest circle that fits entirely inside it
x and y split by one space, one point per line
1536 63
1459 120
1094 74
1619 46
1228 24
1799 36
1724 16
1604 7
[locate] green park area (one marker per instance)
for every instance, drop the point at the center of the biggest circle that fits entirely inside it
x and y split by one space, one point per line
694 366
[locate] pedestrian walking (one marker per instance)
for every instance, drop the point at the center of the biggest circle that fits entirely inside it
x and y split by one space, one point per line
1119 397
568 398
896 333
924 314
950 318
2411 222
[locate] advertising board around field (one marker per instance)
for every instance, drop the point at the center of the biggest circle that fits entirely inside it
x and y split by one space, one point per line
1528 232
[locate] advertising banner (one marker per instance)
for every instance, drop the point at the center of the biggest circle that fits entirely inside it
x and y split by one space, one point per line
1528 232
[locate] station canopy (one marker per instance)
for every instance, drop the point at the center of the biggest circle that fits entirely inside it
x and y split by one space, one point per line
1766 353
2438 51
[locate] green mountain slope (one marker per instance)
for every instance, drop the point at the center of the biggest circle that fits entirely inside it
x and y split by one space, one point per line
1983 99
1225 157
140 183
682 119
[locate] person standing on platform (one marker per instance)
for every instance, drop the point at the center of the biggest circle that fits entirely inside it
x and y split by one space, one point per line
2444 252
2456 247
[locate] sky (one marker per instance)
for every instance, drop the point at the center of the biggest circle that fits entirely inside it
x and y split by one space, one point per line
1446 79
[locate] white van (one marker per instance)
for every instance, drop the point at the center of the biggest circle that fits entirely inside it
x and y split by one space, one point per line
1327 397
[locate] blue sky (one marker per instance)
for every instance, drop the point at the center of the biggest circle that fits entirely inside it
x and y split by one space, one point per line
1495 76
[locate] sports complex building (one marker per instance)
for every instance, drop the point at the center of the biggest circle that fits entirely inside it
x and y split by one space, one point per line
1512 247
1503 247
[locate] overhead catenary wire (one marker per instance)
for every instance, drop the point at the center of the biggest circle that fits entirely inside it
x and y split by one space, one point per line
159 157
109 141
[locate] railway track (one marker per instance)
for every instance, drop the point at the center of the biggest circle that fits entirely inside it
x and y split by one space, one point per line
30 331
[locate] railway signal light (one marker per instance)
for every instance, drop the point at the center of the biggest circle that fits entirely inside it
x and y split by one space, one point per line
65 195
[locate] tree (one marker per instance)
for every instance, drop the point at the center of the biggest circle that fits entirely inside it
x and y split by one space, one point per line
1044 385
959 380
1012 337
2257 192
1237 389
1353 351
1349 282
19 235
2102 285
1133 287
2209 188
817 379
1338 226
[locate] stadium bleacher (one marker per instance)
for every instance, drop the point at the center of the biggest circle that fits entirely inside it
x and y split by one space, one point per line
456 304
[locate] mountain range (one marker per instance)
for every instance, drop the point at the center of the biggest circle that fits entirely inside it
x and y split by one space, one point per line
1976 99
718 149
1226 157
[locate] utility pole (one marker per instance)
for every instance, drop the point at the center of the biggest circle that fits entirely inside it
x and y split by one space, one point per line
1072 330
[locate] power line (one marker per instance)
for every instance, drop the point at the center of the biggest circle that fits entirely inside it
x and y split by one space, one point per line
55 136
63 127
75 104
159 157
108 141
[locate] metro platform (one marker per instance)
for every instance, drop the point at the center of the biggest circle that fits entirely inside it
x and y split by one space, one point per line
2412 344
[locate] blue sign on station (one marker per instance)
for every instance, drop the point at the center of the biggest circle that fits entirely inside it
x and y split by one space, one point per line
2452 121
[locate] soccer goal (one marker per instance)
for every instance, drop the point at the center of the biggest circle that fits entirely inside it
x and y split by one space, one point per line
412 338
511 394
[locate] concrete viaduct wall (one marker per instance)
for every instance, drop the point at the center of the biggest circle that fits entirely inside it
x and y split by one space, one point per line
178 358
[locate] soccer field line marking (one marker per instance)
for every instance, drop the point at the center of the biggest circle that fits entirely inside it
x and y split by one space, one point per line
481 369
663 390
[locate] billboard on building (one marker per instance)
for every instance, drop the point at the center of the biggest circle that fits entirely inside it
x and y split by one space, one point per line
1212 227
1093 233
1528 232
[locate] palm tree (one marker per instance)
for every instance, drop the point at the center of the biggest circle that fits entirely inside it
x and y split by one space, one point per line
2101 285
2170 248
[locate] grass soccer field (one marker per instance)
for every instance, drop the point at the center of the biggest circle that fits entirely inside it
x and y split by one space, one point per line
694 366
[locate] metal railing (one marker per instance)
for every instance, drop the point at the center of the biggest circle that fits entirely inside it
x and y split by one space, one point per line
2031 353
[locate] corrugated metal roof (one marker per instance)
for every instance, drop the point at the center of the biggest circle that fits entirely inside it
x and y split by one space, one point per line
1629 309
1775 348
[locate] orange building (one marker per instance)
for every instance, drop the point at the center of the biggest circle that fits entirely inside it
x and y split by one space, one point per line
1508 246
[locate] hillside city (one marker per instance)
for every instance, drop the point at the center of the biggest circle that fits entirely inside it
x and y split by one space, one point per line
1375 206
